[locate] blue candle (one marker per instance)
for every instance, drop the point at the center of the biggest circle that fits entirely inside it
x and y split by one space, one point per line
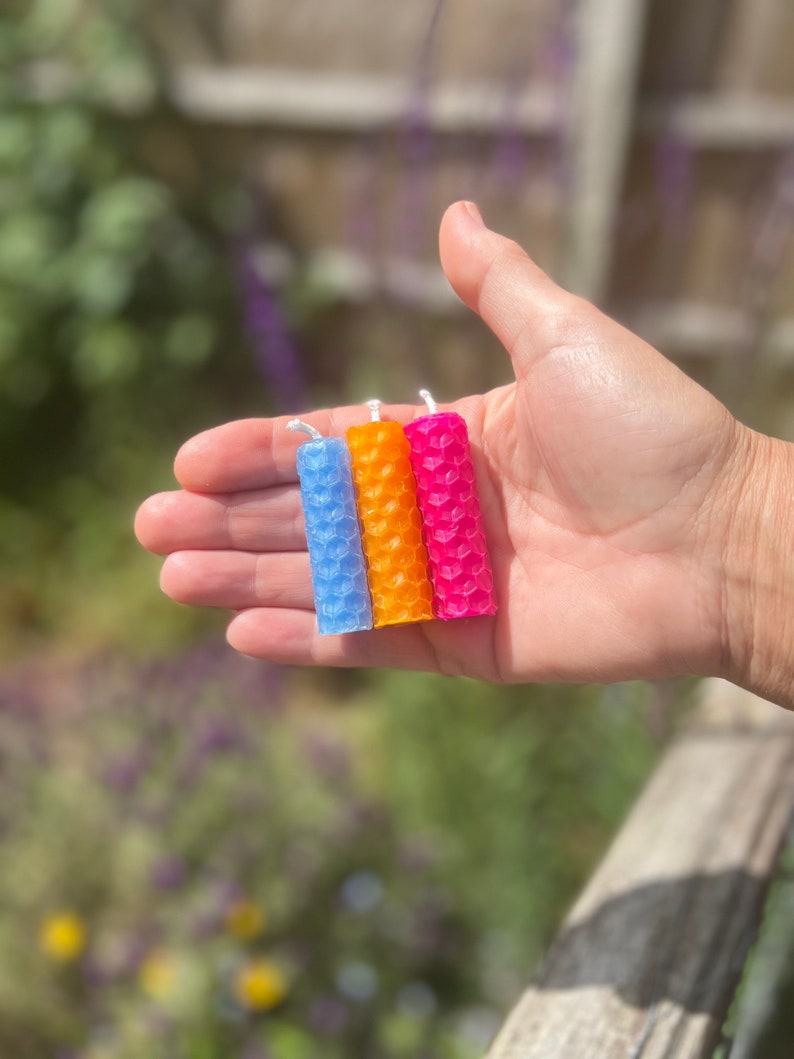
333 535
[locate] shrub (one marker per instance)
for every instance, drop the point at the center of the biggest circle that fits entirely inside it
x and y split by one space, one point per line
190 868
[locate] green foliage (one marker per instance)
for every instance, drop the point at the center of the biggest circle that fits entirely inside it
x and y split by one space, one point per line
413 856
119 324
104 282
87 233
522 785
409 857
760 1022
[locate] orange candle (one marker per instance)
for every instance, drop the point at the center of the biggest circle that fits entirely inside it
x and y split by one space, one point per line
390 523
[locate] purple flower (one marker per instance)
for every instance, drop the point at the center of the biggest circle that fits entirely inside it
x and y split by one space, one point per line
301 863
207 923
327 755
253 1050
674 179
260 684
416 146
220 735
169 872
117 958
361 892
124 772
559 59
328 1015
416 855
274 348
364 173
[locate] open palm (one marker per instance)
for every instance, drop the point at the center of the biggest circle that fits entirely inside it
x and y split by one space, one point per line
605 475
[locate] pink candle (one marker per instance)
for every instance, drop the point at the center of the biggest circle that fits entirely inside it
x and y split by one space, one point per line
452 526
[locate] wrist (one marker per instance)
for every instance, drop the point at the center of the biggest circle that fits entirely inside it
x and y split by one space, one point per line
758 597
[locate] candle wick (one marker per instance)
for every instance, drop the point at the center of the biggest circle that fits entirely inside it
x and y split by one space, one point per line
374 409
427 397
306 428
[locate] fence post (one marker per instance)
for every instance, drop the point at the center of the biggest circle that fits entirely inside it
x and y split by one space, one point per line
647 962
609 42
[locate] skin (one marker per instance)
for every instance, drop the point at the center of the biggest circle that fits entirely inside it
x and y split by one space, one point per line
633 523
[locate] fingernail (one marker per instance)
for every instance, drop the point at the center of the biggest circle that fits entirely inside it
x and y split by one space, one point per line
474 213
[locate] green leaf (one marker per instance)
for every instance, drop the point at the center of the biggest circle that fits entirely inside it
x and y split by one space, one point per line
47 21
109 352
290 1042
120 216
24 382
27 241
101 283
16 139
189 339
64 133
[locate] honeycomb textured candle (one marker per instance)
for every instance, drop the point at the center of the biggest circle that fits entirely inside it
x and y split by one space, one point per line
339 570
392 529
446 491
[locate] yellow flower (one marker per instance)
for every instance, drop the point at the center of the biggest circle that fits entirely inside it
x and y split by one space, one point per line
245 920
157 974
62 936
259 985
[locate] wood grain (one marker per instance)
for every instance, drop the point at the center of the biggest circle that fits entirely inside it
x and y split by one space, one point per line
647 961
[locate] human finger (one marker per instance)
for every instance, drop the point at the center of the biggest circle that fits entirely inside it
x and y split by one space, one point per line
258 521
527 311
291 637
236 580
256 453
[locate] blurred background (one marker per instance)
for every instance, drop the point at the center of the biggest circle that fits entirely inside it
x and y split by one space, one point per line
219 208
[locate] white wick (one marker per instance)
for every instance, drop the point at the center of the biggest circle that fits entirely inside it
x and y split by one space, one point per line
374 409
427 397
298 424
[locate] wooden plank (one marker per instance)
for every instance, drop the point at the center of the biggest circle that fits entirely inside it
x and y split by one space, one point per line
647 961
700 329
351 102
609 42
763 1009
678 329
348 34
303 100
754 28
722 121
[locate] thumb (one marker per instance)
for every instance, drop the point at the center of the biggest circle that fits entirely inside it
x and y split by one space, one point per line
524 308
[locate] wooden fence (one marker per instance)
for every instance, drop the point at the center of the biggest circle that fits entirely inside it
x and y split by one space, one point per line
657 178
647 962
652 170
643 150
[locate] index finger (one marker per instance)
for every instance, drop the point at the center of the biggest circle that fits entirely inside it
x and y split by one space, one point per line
256 453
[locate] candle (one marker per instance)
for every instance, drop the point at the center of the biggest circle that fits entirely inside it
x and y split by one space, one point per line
452 526
392 528
338 567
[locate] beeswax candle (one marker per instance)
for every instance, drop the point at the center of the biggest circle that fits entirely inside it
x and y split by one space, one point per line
392 529
452 526
339 571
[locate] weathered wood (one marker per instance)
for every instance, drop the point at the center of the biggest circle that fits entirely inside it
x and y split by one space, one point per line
687 329
353 103
722 121
609 43
647 961
317 35
310 101
300 99
757 31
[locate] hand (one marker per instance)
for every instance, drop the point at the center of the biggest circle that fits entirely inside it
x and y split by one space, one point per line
609 483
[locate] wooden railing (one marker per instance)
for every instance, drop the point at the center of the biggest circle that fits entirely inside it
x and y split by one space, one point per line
646 964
